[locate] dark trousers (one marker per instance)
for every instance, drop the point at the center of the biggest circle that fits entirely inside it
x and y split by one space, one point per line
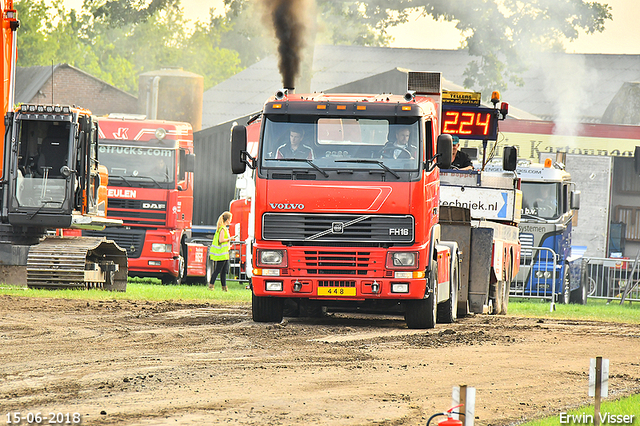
222 268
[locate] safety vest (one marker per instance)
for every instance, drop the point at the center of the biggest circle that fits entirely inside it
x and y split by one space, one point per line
217 251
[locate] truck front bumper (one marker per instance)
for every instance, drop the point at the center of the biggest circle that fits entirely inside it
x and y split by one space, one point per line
339 288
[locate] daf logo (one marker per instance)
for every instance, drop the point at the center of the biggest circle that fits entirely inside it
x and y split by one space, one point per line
398 231
155 206
285 206
337 227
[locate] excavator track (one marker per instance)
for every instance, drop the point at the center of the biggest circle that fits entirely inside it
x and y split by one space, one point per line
77 262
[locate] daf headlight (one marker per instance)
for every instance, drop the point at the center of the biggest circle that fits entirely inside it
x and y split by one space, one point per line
161 248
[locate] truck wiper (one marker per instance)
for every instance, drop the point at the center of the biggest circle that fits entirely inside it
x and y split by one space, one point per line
303 160
147 177
378 162
120 177
532 216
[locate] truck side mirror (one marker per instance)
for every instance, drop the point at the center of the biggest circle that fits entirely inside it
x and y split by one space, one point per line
636 159
509 158
238 149
190 163
444 149
575 200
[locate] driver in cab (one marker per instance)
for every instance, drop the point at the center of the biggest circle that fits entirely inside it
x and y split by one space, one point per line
400 148
295 148
459 159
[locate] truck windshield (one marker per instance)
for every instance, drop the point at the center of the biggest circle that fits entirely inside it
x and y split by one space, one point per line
541 199
329 141
138 167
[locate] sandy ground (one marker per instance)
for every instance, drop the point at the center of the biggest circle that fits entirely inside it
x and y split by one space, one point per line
147 363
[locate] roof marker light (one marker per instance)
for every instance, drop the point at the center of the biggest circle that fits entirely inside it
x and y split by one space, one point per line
341 107
547 162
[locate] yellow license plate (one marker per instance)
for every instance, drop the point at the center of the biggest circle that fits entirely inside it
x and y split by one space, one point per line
336 291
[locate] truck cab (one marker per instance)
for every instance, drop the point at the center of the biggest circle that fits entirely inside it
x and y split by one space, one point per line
150 164
548 268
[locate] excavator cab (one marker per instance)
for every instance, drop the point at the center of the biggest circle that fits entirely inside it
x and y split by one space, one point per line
53 180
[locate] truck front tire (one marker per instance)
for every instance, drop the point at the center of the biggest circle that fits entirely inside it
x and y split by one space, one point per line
420 314
266 309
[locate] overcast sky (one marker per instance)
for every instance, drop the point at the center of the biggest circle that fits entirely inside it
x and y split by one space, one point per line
621 35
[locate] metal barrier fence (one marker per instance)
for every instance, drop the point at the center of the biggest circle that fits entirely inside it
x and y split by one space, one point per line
612 278
237 262
539 275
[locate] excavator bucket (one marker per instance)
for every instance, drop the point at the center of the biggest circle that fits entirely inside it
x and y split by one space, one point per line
77 262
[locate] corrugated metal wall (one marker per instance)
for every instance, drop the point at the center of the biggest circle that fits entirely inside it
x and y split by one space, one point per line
214 184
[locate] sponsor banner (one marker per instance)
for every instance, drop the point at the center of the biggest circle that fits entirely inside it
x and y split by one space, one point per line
484 203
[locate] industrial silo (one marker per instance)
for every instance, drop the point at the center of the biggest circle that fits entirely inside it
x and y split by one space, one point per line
171 94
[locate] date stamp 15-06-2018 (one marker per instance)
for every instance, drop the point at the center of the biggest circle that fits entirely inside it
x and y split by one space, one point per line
51 418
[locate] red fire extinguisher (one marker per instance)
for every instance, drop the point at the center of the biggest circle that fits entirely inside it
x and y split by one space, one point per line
449 421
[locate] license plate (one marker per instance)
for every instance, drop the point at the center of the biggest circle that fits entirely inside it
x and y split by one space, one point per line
336 291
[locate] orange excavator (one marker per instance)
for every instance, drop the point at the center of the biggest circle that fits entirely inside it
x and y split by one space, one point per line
51 179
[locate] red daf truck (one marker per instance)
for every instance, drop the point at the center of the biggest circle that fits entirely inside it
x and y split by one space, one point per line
348 226
150 189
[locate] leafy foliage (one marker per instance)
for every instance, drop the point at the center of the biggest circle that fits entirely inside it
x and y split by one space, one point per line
117 39
111 42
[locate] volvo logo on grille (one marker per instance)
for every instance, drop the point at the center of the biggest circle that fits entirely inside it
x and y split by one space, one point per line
286 206
154 206
337 227
398 231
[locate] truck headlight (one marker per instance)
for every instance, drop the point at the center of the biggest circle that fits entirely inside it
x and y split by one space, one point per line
272 258
399 287
161 248
273 286
402 259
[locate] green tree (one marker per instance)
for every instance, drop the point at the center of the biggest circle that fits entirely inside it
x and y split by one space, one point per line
103 43
500 34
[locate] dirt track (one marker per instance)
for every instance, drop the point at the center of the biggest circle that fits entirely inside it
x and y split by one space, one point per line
127 363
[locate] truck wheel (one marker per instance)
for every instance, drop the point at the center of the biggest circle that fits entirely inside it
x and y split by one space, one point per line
170 279
507 285
209 271
566 286
266 309
496 300
579 295
448 311
421 313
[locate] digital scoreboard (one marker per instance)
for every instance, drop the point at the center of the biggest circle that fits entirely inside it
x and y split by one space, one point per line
470 122
463 116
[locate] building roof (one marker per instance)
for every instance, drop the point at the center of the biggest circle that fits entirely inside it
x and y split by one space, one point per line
29 80
557 85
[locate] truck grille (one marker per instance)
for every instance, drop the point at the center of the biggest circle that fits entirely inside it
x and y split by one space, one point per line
358 263
526 241
132 240
135 212
336 228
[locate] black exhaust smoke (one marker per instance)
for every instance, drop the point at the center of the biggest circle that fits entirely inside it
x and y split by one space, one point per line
290 21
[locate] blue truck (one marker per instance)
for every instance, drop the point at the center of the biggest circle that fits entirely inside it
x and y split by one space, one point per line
550 267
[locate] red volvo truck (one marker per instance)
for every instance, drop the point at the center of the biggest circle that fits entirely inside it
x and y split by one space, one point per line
350 227
150 165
